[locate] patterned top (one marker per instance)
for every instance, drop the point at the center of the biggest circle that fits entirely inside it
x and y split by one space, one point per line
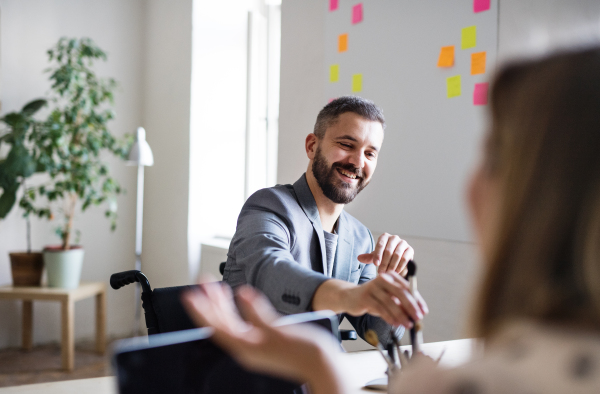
331 241
524 357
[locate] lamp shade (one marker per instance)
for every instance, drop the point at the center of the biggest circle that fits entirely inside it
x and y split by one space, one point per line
140 153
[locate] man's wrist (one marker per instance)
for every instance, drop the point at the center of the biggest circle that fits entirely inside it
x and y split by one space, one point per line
332 295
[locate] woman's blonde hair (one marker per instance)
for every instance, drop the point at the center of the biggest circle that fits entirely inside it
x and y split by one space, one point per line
544 151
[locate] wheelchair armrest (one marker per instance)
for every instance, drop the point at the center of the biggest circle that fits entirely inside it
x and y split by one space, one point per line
348 335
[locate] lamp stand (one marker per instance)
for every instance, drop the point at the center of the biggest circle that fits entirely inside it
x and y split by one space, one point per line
138 246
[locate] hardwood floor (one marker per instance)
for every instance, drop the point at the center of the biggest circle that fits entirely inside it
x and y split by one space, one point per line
43 363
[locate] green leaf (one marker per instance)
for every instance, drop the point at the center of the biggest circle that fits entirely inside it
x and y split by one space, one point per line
33 106
7 200
15 120
19 162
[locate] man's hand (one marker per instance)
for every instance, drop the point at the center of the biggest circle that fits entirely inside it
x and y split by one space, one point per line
391 253
387 296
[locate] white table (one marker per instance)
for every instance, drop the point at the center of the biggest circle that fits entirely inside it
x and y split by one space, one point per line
361 367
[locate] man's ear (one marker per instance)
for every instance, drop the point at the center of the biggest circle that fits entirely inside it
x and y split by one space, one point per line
311 145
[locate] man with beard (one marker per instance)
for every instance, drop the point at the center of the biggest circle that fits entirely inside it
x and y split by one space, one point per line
297 245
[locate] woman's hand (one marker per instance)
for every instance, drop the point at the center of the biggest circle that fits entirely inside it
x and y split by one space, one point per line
300 353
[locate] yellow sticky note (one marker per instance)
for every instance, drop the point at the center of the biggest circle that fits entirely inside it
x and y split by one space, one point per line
468 37
446 58
343 42
334 73
477 63
356 83
453 86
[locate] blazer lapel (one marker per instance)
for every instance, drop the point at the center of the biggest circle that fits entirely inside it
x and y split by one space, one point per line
309 206
343 255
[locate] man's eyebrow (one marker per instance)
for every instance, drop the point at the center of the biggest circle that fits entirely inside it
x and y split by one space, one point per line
349 137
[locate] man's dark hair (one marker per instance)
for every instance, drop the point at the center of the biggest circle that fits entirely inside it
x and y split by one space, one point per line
358 105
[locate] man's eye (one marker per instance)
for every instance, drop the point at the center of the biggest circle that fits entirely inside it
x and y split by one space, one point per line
346 145
371 155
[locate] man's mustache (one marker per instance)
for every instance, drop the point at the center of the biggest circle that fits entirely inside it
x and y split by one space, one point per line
349 168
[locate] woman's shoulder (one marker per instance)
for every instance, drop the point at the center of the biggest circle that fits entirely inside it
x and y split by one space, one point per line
522 358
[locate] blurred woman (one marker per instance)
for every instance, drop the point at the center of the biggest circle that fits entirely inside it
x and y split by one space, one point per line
535 207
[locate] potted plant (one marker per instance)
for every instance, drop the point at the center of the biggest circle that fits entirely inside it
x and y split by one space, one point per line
19 164
68 148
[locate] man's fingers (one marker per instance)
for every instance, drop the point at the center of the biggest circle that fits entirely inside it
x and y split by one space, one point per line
379 248
391 253
395 261
421 302
403 253
367 258
417 299
407 255
398 287
388 253
390 306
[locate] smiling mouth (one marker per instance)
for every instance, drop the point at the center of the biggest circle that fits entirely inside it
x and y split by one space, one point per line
347 174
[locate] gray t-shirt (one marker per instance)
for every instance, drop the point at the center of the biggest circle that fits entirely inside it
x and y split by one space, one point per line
331 240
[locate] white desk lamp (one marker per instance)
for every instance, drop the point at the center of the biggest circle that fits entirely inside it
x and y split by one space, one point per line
140 155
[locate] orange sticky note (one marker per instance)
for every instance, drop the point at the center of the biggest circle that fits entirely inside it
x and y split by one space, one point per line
446 58
477 63
343 42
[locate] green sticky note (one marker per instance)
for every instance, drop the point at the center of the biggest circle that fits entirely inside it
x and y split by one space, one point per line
453 85
356 83
468 37
334 73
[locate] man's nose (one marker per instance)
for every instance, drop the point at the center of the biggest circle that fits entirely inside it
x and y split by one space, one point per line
357 159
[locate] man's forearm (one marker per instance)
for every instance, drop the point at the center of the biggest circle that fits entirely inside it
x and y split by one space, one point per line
332 295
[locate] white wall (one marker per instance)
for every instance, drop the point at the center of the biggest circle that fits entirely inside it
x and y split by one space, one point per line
535 26
302 89
28 29
447 269
166 117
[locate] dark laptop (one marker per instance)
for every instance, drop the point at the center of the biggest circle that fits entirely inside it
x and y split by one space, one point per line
188 362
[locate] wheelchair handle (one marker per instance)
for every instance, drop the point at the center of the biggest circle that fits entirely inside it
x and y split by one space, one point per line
125 278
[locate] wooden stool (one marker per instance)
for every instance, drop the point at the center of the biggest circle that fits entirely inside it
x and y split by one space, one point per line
67 299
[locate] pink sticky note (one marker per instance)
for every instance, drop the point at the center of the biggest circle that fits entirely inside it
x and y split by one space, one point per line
480 94
357 13
481 5
333 5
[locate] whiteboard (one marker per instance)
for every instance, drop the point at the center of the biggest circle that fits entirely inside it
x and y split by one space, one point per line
431 141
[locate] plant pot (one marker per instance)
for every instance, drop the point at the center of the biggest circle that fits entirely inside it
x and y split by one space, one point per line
26 268
63 266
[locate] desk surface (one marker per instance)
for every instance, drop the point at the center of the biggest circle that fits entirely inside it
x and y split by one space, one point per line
361 366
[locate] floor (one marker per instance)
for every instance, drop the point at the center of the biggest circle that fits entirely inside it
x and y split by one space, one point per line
43 363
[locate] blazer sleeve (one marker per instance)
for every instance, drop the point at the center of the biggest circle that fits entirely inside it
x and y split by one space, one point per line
262 250
365 322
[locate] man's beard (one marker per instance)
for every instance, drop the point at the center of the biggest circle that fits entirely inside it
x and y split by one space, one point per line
334 188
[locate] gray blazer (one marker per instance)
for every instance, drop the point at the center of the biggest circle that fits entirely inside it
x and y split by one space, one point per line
279 248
